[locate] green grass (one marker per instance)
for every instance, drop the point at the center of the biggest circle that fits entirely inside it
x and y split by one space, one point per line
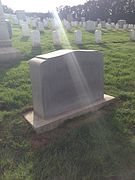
96 150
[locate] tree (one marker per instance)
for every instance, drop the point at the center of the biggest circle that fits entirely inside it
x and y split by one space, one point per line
7 10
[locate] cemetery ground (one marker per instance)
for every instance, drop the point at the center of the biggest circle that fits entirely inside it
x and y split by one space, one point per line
101 146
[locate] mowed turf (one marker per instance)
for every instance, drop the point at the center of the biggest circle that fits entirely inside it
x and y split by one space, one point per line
98 149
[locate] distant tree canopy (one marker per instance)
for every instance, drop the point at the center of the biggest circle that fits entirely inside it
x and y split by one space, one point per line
7 10
103 9
41 15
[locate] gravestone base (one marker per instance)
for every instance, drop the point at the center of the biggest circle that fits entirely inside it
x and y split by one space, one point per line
9 54
43 125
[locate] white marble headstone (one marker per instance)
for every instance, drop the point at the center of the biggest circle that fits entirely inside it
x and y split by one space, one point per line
34 23
132 34
117 26
90 26
98 36
40 26
45 22
35 36
68 26
25 29
56 38
78 37
108 26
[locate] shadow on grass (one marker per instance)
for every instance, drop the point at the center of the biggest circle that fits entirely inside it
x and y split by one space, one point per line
80 46
103 45
36 51
100 149
24 39
123 41
58 47
7 65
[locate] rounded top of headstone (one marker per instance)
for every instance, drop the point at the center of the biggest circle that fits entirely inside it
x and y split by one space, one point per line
49 56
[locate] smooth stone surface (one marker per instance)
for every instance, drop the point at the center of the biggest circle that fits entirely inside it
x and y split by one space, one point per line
90 26
34 23
121 23
98 36
66 80
41 26
132 34
35 37
56 38
68 26
25 29
108 26
78 37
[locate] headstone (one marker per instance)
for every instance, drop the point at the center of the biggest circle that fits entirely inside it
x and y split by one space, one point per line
69 17
34 23
78 37
130 26
68 26
7 52
75 23
103 24
121 23
90 26
45 22
108 26
35 37
98 20
83 19
84 24
117 26
40 26
132 34
113 25
9 28
55 23
25 30
80 23
21 15
98 36
15 20
65 84
125 26
21 22
72 23
109 21
99 26
56 38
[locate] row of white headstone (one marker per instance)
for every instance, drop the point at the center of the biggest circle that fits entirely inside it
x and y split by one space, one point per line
55 23
35 35
92 25
89 26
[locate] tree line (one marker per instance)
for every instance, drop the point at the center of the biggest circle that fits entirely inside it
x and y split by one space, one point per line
102 9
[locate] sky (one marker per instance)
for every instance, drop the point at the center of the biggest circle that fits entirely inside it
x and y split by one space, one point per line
39 5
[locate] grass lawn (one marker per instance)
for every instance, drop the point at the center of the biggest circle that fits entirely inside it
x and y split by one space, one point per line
95 150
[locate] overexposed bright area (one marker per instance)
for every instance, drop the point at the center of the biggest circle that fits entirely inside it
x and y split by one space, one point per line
39 5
